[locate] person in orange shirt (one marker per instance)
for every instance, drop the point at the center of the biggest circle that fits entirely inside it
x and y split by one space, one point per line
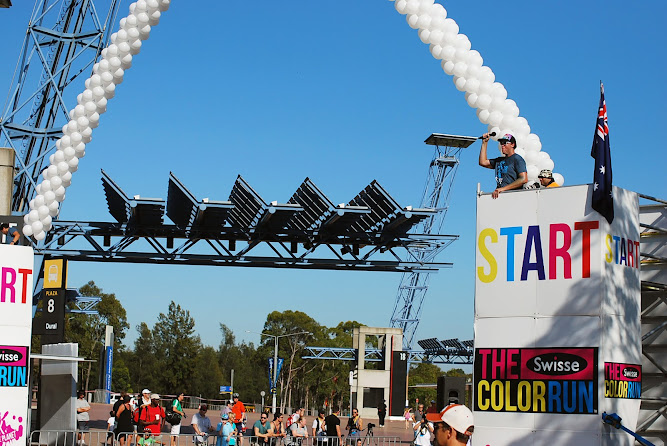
547 179
239 410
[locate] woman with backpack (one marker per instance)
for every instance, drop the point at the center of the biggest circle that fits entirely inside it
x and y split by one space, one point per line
174 416
124 426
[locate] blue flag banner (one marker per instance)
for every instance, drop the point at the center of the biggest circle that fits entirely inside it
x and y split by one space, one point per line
272 385
602 199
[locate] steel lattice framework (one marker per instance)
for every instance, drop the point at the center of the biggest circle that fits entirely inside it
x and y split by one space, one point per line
63 40
414 285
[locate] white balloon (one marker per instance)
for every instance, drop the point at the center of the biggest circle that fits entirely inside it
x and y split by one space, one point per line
49 196
56 182
424 35
482 114
496 130
412 7
495 118
519 151
474 58
126 61
38 201
27 230
142 18
532 171
436 37
448 37
45 186
73 164
41 235
75 138
79 149
558 178
447 53
82 123
546 164
94 120
164 4
135 47
472 85
448 66
511 108
461 55
451 26
473 71
522 125
472 98
508 122
33 215
113 50
62 167
37 226
460 68
60 194
52 172
486 75
110 91
425 5
531 157
58 157
43 211
459 82
54 207
484 99
424 22
498 91
144 32
412 20
462 42
438 11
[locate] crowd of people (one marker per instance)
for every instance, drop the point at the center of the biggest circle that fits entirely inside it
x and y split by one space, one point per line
143 420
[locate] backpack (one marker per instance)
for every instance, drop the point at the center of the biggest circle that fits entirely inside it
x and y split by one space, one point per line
136 415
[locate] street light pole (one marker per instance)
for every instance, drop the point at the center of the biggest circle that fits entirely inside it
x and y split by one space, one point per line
275 358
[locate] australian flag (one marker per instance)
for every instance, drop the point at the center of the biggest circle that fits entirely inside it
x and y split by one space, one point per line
603 201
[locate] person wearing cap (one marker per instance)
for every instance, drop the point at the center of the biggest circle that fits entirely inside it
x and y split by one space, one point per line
227 431
201 424
151 419
453 425
145 398
510 168
239 411
547 179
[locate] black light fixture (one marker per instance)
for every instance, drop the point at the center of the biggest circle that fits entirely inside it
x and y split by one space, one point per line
5 3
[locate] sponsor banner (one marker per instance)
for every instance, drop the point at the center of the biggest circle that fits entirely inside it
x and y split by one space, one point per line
536 380
622 380
14 366
16 280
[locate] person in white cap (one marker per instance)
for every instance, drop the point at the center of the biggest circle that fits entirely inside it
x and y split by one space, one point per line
453 425
145 398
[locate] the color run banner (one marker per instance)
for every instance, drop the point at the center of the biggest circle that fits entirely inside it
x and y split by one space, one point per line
557 318
16 284
537 380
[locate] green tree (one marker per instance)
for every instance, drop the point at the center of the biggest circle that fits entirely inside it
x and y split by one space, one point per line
423 373
176 346
88 330
143 362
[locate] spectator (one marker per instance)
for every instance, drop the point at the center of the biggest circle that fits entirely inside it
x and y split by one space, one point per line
408 415
453 425
432 408
151 420
319 428
202 425
332 423
228 430
12 235
145 398
299 431
423 431
117 404
294 418
546 178
82 416
111 424
355 424
124 426
277 428
510 168
262 429
226 409
176 407
239 412
382 412
419 414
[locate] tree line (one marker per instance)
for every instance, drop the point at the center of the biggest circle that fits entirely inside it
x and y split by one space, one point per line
170 357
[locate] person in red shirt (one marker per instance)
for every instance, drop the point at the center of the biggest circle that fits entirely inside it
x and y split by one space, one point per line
239 410
152 416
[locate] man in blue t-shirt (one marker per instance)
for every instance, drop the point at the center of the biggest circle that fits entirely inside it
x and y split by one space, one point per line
510 168
12 235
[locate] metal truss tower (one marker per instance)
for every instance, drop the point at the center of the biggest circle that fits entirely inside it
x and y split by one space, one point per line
414 285
63 40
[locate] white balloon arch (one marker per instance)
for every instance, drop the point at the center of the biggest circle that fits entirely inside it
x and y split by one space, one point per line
435 29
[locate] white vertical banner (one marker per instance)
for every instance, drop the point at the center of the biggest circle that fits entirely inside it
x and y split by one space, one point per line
16 283
557 317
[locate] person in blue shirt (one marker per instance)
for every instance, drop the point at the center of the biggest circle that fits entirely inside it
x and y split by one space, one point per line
511 172
12 235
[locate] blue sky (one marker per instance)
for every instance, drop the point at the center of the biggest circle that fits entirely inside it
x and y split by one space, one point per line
344 93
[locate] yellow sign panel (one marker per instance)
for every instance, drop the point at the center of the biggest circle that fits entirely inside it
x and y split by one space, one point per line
53 273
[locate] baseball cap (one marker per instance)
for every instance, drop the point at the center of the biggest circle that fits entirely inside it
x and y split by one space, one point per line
145 391
236 395
155 396
508 137
457 416
546 173
224 416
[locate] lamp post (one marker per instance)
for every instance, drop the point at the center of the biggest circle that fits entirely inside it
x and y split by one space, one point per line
275 357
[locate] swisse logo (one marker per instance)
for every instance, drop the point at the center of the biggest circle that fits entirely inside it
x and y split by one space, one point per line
9 355
630 372
557 364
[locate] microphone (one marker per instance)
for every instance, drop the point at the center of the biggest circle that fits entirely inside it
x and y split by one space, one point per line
490 134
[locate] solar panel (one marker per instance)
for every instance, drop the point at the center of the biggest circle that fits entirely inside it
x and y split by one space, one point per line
453 343
251 211
431 345
188 213
134 211
319 212
469 344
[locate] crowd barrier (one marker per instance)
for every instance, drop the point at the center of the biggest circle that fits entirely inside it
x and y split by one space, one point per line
100 438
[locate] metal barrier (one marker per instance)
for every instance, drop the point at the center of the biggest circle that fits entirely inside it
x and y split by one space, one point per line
369 440
71 438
